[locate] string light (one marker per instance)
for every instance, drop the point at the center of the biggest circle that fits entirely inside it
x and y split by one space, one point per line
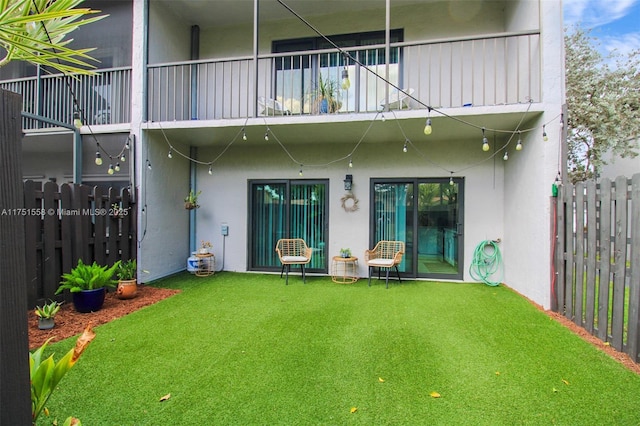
350 163
244 135
485 142
345 79
451 180
404 148
110 171
382 117
117 167
266 135
123 158
98 159
210 169
127 146
148 164
505 157
544 133
519 144
300 172
427 126
170 154
77 120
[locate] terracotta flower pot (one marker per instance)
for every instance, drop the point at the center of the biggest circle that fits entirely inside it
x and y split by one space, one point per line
127 289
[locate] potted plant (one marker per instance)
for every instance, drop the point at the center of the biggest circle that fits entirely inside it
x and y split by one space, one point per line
46 314
87 284
191 200
127 284
205 246
345 252
326 96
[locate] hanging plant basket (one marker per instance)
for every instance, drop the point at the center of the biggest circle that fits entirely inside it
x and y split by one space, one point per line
190 206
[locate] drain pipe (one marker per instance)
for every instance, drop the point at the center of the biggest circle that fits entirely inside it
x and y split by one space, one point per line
193 153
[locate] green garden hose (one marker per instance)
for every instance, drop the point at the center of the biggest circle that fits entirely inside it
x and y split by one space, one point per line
487 260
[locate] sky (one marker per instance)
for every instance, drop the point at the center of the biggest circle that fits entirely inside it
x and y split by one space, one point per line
615 23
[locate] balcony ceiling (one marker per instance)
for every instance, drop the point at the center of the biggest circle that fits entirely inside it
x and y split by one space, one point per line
234 12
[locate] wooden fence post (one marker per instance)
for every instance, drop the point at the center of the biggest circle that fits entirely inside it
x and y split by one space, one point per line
15 398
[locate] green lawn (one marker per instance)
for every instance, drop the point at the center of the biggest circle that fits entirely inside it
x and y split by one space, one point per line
244 349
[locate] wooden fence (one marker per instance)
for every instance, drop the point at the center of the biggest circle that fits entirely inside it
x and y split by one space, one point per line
597 260
71 222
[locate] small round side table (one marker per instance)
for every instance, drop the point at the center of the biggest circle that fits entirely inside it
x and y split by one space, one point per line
206 265
344 270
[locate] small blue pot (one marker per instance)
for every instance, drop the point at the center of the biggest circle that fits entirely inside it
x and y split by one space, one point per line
87 301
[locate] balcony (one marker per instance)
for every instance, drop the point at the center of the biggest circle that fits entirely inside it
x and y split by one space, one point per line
500 69
476 71
103 98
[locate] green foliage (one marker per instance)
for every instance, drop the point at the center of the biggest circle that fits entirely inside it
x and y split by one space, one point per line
48 310
45 374
192 197
327 89
127 270
603 102
88 277
345 252
35 31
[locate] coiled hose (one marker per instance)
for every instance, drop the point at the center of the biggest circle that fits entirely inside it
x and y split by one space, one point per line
487 260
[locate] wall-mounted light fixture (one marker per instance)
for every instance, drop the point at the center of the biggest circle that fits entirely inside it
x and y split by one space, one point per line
348 182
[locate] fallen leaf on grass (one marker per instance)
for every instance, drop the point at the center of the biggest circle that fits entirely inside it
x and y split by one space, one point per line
497 373
164 398
380 379
566 382
434 395
353 409
555 390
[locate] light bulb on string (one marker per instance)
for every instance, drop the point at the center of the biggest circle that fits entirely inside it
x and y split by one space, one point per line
505 157
404 148
451 180
519 144
345 79
544 133
485 142
98 159
244 135
210 169
110 171
266 135
117 167
127 145
170 154
123 158
350 163
300 172
77 120
427 126
382 117
148 164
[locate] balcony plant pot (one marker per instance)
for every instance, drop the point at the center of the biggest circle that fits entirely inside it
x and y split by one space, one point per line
86 301
46 323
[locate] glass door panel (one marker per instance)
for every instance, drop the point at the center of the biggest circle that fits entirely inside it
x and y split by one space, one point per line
268 216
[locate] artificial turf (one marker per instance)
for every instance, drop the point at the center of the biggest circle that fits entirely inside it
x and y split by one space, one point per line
240 348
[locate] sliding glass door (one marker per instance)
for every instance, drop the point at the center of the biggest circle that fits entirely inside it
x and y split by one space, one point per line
427 215
287 209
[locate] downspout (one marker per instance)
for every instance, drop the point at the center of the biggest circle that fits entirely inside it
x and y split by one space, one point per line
195 55
193 153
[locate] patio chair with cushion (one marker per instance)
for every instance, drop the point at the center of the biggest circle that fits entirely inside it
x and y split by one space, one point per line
293 251
385 255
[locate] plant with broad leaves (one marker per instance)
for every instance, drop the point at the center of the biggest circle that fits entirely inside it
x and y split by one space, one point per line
45 374
88 277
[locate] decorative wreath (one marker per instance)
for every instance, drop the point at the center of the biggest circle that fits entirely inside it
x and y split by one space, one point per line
349 202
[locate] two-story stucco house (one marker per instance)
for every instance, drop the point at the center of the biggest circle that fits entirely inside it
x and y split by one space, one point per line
246 101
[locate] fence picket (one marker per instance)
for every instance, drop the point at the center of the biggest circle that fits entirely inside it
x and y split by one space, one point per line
605 260
634 286
619 260
590 281
579 254
569 253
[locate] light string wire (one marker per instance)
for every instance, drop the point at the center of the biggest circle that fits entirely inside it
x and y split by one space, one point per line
74 98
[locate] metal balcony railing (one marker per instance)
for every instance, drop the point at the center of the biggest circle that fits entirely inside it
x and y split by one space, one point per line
491 70
104 98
